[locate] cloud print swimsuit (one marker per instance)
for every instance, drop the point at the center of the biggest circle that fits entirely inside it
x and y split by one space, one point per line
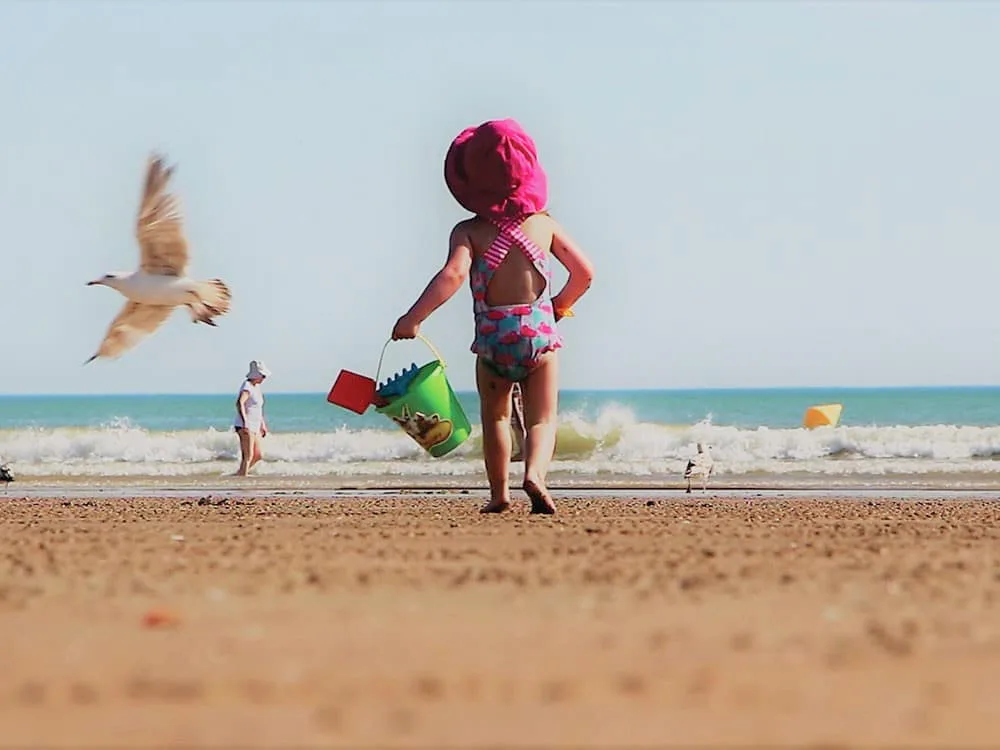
511 338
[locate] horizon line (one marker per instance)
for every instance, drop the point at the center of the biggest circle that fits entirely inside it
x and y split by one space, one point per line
688 389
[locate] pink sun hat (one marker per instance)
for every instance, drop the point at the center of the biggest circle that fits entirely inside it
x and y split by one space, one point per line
492 170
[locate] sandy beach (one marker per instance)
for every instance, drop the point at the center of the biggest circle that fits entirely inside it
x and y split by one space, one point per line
411 620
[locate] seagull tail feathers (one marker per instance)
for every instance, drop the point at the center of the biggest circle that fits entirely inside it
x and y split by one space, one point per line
215 294
215 300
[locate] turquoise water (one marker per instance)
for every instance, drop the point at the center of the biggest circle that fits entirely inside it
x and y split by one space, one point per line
309 412
623 435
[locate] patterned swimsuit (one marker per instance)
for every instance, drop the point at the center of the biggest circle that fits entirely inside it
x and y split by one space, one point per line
511 338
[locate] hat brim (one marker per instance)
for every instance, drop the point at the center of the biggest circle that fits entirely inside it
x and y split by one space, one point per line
497 194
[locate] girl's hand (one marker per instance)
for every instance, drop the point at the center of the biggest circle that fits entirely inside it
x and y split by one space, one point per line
263 430
559 310
405 328
581 271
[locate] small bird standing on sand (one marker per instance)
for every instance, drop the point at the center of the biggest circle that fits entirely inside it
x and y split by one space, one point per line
5 476
161 283
701 465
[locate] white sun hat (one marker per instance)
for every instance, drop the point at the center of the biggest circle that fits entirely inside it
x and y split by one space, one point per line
257 370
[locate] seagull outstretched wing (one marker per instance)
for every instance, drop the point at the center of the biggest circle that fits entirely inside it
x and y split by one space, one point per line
131 325
163 248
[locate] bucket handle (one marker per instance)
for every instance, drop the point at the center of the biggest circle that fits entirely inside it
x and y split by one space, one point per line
430 346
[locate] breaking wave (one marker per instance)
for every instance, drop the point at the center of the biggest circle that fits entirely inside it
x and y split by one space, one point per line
614 443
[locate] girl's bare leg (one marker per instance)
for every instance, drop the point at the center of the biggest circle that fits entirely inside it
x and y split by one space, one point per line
494 411
541 406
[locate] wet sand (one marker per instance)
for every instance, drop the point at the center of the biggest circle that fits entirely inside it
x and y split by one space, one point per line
267 478
411 620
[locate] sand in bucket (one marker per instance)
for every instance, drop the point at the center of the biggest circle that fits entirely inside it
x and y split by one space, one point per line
421 401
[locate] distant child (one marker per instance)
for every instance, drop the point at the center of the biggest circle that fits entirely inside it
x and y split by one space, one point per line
517 422
493 171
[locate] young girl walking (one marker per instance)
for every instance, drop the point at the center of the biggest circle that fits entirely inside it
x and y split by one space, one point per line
505 251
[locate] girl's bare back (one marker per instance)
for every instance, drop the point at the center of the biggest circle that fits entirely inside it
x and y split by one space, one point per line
516 280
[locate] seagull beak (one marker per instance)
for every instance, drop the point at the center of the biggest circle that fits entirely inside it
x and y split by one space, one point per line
96 282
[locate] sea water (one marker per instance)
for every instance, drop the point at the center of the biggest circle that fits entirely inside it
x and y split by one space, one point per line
947 436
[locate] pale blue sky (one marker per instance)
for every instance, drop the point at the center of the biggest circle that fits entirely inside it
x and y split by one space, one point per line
773 194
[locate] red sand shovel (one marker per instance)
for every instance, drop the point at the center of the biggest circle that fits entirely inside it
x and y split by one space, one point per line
352 391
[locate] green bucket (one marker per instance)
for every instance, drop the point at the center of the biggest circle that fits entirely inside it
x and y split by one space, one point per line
428 411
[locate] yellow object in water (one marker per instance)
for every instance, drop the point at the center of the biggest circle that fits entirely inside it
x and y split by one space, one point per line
824 415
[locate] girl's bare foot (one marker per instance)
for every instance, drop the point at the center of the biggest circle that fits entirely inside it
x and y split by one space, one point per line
496 506
541 501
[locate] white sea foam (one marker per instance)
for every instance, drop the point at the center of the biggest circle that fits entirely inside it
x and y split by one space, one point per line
613 444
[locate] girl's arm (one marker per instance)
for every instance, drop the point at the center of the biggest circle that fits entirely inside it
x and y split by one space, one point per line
441 288
581 271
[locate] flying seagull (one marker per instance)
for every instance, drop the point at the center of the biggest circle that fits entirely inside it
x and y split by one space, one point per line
701 465
161 283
